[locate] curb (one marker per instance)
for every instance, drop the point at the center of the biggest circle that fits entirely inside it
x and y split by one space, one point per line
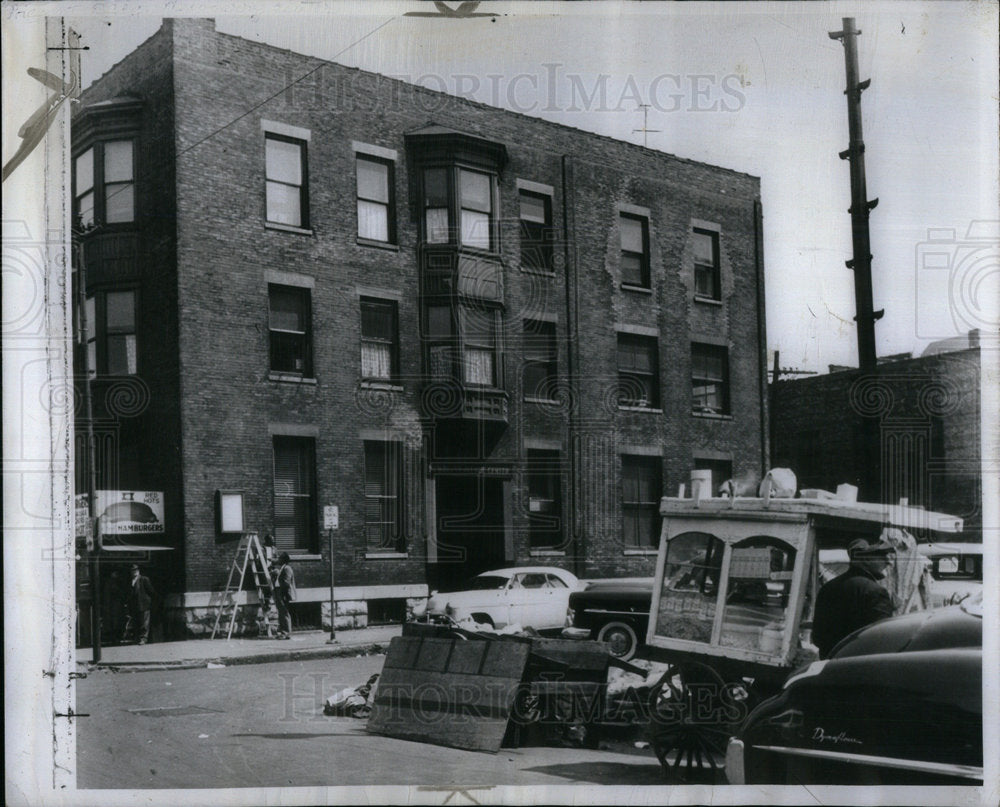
332 651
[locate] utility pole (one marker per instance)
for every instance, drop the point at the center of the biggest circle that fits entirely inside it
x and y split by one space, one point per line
94 559
860 206
868 450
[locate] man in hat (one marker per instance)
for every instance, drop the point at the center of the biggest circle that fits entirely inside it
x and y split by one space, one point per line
284 594
140 600
855 598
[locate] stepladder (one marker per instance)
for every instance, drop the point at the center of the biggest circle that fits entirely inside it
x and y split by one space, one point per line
251 569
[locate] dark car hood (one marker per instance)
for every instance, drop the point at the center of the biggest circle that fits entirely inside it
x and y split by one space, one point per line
936 629
614 592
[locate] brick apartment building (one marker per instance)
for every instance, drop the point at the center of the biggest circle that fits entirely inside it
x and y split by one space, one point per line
915 423
485 338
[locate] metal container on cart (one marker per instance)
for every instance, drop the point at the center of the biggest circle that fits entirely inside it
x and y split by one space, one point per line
734 590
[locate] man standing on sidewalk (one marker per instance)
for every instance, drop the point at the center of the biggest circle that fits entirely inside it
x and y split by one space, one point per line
140 601
284 595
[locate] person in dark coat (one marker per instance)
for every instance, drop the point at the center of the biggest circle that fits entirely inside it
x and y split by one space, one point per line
855 598
140 601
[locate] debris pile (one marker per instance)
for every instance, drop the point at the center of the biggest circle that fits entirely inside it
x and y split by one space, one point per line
353 701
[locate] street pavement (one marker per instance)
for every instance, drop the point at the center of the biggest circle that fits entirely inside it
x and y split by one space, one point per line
192 653
262 725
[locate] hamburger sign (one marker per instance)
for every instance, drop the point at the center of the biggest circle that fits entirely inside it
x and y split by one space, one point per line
130 512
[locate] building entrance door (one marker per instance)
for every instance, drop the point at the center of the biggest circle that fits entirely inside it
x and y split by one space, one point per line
470 528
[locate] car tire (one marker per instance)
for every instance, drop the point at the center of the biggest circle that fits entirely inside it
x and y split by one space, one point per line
621 638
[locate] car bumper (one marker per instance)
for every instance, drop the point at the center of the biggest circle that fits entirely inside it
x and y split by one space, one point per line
735 770
575 633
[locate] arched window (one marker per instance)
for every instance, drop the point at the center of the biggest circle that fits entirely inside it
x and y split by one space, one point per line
690 589
757 594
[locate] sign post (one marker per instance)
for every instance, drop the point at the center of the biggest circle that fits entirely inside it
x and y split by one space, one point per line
331 521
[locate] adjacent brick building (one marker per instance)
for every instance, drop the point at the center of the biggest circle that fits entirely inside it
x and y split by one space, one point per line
485 338
911 430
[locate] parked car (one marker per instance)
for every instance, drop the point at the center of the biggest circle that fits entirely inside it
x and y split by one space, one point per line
529 596
898 702
956 569
613 611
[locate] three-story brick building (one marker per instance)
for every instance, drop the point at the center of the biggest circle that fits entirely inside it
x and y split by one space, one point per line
485 338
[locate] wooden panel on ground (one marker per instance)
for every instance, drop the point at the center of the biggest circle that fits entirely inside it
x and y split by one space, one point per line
448 691
581 661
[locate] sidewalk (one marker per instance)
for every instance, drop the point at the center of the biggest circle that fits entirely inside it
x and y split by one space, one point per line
193 653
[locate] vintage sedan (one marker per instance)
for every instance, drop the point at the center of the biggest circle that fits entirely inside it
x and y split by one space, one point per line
898 702
530 596
611 611
956 570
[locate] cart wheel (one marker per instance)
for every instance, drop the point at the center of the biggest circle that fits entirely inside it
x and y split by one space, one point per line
688 729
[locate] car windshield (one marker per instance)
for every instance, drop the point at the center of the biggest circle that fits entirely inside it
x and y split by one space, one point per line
485 582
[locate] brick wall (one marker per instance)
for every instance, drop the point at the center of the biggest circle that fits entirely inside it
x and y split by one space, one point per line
224 87
140 415
924 417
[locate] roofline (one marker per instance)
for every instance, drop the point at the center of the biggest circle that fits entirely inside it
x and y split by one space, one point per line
522 569
483 105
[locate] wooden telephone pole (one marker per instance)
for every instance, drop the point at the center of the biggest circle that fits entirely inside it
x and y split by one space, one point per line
868 448
861 263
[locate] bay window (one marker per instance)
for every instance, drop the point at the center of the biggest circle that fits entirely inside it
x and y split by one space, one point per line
458 206
111 333
104 183
479 340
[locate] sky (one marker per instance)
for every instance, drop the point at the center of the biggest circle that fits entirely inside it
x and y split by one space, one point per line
756 87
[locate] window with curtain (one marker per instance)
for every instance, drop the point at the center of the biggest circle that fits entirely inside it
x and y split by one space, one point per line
119 323
375 207
436 229
449 192
479 347
476 208
112 340
294 494
379 345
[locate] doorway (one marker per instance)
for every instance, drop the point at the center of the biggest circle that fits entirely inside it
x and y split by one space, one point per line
470 528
